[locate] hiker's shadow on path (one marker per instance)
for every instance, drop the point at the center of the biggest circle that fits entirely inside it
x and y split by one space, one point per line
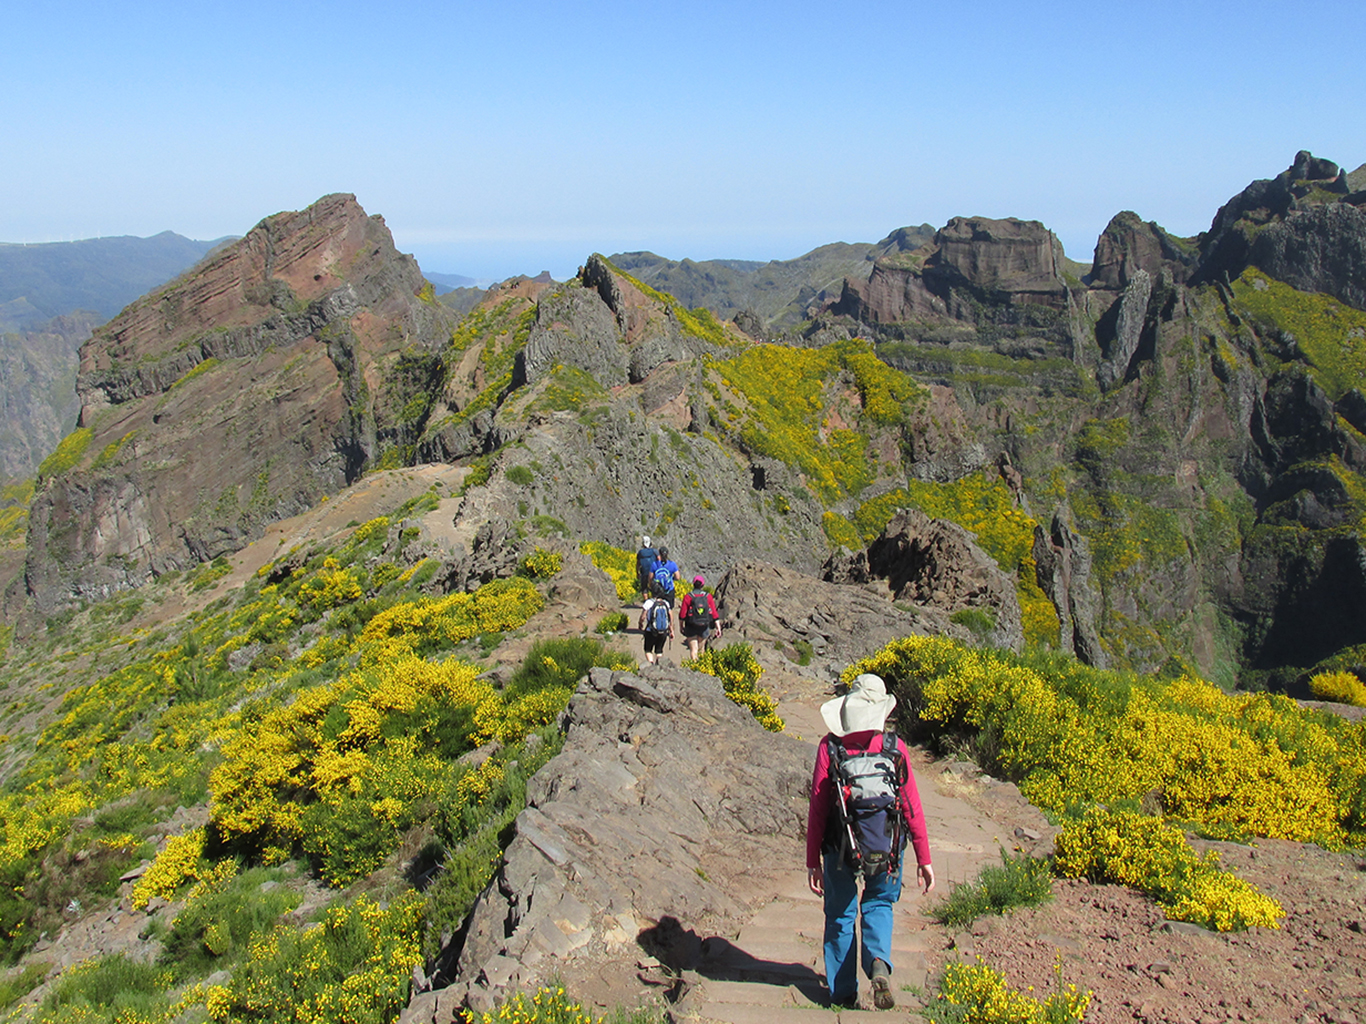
682 949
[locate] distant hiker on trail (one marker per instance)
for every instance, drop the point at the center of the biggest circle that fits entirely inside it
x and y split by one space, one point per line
656 620
664 576
645 566
697 615
864 802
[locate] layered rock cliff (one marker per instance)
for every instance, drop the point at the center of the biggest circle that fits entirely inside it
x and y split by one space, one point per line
242 392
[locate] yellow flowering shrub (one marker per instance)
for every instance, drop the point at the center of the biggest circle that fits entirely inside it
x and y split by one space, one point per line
352 968
788 397
1235 765
978 994
617 563
541 564
330 586
545 1006
179 862
739 672
345 758
426 625
1340 687
1144 853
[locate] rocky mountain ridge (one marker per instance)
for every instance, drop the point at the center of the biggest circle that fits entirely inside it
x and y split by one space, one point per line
1176 429
275 349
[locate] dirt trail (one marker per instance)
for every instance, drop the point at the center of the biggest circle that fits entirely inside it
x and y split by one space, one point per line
774 966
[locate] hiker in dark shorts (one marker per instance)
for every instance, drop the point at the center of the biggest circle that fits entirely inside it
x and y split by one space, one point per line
656 622
697 615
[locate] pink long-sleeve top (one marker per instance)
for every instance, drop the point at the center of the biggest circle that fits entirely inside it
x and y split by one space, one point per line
823 797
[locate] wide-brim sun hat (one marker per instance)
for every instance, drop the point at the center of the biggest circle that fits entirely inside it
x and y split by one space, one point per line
866 706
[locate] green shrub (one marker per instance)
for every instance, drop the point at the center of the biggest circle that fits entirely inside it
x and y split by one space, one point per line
109 988
978 621
612 622
520 475
473 826
562 662
1018 881
739 672
14 987
354 968
220 918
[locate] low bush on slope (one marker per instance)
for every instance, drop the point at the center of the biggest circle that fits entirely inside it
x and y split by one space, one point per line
1079 740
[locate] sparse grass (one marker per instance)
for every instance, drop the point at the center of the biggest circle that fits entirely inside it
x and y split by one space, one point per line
1018 881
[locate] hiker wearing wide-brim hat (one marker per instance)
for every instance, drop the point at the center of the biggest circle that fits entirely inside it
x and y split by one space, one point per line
835 859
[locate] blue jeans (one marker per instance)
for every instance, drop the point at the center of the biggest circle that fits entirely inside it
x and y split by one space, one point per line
842 905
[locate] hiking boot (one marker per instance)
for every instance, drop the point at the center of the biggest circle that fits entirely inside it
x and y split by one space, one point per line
883 998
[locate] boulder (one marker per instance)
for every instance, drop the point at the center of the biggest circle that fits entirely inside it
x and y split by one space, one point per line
935 564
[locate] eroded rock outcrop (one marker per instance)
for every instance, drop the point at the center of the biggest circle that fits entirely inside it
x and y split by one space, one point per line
665 796
1305 227
1004 261
933 563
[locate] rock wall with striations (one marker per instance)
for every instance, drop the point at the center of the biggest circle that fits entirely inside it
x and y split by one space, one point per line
240 393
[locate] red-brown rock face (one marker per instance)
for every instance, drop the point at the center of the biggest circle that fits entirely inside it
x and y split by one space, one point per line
238 394
1011 261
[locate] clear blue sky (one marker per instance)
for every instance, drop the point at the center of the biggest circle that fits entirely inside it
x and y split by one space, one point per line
509 137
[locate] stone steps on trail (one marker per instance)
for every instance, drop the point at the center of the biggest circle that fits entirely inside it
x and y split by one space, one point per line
773 972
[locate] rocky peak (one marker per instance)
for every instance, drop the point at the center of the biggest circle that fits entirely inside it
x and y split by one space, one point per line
971 258
1129 245
1020 259
240 393
1305 226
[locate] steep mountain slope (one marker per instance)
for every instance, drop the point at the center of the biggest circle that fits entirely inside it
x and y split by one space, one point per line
1188 409
38 404
270 377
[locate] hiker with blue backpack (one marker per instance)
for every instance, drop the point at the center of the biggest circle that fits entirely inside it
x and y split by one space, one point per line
656 622
864 806
663 577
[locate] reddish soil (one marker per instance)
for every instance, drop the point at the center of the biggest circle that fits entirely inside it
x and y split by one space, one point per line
1119 945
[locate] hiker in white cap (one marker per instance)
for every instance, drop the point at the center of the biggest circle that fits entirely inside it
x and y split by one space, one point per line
645 566
864 806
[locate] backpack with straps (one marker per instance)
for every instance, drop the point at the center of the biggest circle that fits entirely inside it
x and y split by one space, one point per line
868 805
699 610
663 581
658 620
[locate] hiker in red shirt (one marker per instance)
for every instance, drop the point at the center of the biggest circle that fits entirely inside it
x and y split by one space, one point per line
856 722
697 614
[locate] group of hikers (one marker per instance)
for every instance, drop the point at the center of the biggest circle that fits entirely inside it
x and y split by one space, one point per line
864 808
658 577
